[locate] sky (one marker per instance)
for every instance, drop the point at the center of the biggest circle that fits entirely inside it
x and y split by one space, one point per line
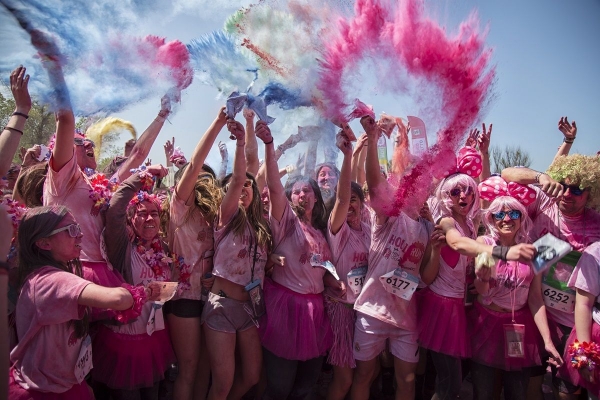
545 52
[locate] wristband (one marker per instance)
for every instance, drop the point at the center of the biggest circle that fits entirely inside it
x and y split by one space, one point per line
21 114
10 128
569 141
269 142
500 252
537 176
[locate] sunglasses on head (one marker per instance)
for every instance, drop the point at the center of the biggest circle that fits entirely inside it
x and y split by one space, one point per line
73 229
573 189
512 214
458 190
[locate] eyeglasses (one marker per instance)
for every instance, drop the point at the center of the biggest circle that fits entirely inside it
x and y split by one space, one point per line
512 214
82 142
74 230
573 189
458 190
247 184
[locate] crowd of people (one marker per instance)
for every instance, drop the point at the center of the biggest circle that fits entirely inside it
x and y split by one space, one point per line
250 287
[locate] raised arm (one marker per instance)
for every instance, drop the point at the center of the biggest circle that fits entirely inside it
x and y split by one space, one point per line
230 204
252 160
378 186
526 176
185 186
224 160
483 145
276 193
116 236
143 145
343 194
358 160
569 131
12 132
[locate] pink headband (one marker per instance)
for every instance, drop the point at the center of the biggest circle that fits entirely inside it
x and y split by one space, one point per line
495 186
468 162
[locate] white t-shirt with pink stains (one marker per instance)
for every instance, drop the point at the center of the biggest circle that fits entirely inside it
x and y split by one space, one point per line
350 250
235 255
580 232
45 358
297 242
587 272
70 187
399 242
191 237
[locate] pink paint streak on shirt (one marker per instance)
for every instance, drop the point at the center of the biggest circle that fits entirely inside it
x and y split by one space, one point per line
587 272
191 237
71 188
350 250
297 242
400 242
234 256
580 232
45 357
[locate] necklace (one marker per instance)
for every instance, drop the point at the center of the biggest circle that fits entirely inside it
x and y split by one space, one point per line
155 258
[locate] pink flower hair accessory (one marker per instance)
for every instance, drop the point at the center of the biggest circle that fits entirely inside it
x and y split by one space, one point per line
495 186
139 299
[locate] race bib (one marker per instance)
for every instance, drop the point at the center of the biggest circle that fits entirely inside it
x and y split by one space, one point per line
356 279
84 360
317 261
558 299
156 320
400 283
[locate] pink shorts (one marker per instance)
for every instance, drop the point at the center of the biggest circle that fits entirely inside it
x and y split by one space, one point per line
371 335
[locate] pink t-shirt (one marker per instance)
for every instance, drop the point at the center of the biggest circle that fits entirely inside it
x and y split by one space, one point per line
297 242
587 272
451 278
142 274
45 357
511 285
349 250
191 236
580 232
400 242
234 256
70 187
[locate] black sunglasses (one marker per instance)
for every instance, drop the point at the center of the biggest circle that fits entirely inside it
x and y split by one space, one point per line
573 189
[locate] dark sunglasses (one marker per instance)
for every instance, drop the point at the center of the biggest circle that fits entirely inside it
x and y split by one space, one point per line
573 189
457 190
512 214
82 142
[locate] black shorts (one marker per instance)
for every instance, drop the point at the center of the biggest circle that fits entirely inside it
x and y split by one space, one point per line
184 308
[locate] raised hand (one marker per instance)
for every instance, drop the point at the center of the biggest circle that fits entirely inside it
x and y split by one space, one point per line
248 114
19 81
236 129
343 143
223 150
472 138
483 140
369 125
157 170
263 132
568 129
169 147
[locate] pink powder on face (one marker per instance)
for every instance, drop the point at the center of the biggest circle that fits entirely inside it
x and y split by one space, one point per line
458 68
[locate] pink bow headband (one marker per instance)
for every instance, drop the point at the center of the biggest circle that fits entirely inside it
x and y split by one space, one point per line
495 186
468 162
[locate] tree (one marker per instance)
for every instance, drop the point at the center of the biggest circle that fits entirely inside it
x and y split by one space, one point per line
509 156
39 127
